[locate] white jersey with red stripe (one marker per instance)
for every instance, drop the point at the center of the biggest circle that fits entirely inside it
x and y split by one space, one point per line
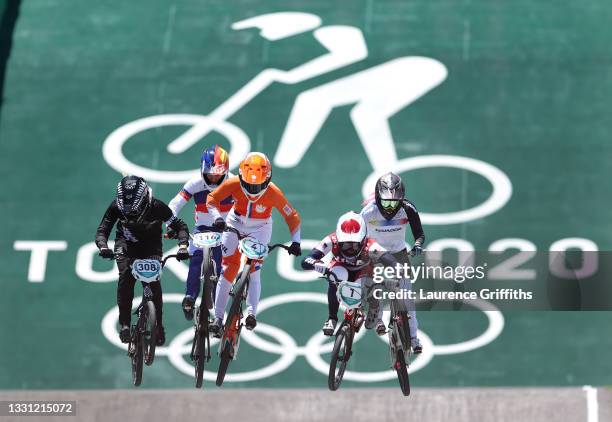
371 251
198 190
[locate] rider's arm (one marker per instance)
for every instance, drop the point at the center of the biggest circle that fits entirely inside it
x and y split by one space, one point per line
176 224
178 202
291 216
318 252
308 263
226 189
415 222
106 225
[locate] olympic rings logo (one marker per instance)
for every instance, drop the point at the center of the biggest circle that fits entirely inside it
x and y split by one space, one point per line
288 350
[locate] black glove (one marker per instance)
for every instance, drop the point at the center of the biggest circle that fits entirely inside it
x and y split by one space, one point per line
295 249
416 250
182 254
171 233
106 253
219 224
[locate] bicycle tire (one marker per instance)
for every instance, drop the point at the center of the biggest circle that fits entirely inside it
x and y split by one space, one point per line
404 329
238 296
150 326
199 359
343 343
137 359
223 365
402 372
235 313
199 348
207 273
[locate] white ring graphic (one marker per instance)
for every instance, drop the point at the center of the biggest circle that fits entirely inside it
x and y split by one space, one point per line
287 348
112 150
502 187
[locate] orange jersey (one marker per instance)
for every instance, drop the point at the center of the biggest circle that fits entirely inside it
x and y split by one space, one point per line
260 209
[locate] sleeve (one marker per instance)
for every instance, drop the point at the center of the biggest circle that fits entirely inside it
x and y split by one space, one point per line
415 222
174 223
365 213
178 202
106 225
314 256
291 216
223 191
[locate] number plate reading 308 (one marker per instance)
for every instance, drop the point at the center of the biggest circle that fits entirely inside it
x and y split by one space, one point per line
146 270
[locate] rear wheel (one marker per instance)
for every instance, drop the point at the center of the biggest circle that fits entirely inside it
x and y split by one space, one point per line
150 335
341 353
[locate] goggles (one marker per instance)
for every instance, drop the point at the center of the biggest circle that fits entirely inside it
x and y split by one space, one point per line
389 203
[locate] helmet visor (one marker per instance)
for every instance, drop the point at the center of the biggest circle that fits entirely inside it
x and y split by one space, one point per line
212 178
389 204
350 248
254 189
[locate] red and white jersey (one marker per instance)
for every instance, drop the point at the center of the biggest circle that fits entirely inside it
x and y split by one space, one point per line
370 252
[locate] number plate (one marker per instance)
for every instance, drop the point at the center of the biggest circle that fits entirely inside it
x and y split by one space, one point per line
253 249
146 270
206 240
349 294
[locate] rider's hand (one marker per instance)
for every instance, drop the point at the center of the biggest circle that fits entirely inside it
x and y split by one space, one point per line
295 249
106 253
416 250
219 224
171 233
182 253
320 267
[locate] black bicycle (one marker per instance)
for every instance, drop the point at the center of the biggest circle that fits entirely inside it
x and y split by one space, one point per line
143 334
354 317
228 348
200 348
350 294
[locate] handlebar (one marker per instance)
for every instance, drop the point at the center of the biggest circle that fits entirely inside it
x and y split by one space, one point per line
331 277
242 236
163 261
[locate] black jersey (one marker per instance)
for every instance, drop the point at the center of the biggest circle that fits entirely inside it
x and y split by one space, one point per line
144 238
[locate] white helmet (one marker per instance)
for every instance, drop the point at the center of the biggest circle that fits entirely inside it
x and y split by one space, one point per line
351 234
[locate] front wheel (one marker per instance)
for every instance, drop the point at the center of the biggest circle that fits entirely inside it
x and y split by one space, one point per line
341 353
199 351
225 360
137 358
150 334
402 372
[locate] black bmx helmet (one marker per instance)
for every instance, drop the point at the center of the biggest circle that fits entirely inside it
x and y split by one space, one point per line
133 198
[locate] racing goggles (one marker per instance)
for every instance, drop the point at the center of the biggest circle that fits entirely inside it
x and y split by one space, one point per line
350 248
389 204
